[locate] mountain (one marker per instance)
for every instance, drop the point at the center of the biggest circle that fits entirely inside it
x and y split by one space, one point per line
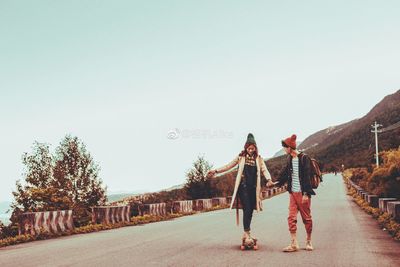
352 143
180 186
120 195
125 196
325 136
354 146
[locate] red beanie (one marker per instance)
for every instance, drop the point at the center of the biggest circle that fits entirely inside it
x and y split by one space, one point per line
290 141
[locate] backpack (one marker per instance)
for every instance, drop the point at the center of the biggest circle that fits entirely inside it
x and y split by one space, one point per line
316 174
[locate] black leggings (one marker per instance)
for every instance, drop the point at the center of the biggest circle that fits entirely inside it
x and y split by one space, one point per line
247 197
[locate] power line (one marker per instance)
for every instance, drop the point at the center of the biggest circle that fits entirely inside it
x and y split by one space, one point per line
391 127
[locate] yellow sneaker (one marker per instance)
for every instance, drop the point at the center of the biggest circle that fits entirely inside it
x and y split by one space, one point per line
309 246
294 246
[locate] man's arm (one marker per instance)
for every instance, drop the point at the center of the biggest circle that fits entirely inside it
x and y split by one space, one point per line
283 175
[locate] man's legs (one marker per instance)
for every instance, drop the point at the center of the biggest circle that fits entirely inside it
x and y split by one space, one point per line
296 204
293 209
305 212
292 223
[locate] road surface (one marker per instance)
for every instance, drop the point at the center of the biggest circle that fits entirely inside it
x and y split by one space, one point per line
343 236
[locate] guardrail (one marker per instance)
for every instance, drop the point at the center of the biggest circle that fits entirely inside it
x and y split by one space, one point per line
50 221
60 221
158 209
273 191
110 214
184 206
389 205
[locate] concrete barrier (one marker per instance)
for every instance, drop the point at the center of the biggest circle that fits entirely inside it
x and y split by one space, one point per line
202 204
110 214
136 209
50 221
373 201
273 191
365 196
219 201
393 208
198 205
207 203
383 203
376 202
184 206
158 209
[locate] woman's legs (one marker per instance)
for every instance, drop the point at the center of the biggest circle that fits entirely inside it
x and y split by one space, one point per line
248 199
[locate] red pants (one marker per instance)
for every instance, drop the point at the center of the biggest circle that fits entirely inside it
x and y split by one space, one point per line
295 205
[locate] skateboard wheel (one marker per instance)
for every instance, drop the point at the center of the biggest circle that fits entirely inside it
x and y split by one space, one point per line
255 247
242 247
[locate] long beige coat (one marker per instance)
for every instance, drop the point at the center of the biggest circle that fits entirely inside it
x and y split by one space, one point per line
261 167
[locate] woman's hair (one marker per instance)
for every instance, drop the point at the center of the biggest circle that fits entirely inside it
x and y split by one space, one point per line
244 151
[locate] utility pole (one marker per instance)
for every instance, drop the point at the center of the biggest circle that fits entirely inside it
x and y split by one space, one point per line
376 131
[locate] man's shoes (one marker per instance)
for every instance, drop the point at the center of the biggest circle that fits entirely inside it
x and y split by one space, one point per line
309 246
293 247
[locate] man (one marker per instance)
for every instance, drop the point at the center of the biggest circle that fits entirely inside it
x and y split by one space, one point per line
296 174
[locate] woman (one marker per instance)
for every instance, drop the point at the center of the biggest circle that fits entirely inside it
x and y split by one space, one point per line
248 181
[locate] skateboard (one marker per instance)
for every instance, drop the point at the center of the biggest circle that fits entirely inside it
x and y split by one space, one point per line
249 243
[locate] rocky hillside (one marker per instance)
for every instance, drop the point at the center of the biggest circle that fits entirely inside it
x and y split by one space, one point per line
352 143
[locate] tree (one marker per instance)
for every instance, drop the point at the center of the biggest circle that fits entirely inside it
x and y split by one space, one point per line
197 184
76 174
66 180
36 194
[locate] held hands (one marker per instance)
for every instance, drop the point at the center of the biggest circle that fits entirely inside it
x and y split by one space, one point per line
211 174
270 183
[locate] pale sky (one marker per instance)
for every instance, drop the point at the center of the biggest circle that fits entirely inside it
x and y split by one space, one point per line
121 75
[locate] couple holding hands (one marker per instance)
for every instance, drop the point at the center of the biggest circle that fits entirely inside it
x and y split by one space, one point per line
296 174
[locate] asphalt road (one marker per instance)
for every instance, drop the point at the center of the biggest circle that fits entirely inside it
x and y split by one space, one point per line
343 236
